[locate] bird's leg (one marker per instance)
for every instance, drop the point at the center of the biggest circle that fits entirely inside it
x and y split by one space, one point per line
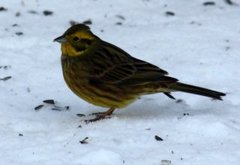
106 113
101 115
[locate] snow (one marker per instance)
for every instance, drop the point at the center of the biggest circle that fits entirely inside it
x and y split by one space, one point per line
198 45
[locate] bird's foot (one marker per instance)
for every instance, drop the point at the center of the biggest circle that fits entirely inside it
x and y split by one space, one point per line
97 118
101 115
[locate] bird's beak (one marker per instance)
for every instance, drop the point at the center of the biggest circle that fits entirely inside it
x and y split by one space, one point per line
60 39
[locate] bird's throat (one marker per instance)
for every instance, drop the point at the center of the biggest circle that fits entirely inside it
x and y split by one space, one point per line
69 50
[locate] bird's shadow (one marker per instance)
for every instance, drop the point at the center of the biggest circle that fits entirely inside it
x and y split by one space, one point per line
150 108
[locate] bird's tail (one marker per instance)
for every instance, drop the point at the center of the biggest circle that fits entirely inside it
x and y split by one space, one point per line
197 90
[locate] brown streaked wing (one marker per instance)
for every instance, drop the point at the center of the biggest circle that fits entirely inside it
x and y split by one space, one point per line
113 65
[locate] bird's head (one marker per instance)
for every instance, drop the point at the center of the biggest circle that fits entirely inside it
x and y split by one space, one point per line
76 40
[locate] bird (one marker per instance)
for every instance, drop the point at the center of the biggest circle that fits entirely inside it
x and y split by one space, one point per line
107 76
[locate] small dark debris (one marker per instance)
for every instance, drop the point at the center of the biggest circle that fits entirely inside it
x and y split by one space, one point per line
84 141
172 152
148 129
50 101
3 8
118 23
38 107
179 101
102 30
28 90
32 12
186 114
80 126
158 138
67 107
72 22
6 78
181 158
5 67
87 22
169 13
120 17
209 3
18 14
80 115
195 23
227 48
19 33
47 12
20 134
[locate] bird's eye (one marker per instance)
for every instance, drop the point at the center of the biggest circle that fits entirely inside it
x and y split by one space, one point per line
75 38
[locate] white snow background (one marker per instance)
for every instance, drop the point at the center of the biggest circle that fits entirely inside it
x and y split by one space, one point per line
199 45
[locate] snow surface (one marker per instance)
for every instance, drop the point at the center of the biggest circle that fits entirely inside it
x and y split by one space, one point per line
199 45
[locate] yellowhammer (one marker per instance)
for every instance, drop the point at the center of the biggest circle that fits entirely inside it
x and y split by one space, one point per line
105 75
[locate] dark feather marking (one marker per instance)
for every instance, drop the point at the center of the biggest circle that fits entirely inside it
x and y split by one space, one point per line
86 41
80 49
107 94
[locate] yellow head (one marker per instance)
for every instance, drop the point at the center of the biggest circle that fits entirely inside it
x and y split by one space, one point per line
76 40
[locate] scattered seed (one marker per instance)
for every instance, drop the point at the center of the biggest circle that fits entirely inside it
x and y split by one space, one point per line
72 22
32 12
50 101
6 67
169 13
18 14
209 3
195 23
6 78
229 2
57 109
80 115
14 25
3 8
158 138
118 23
38 107
166 162
47 12
120 17
19 33
84 141
20 134
28 90
87 22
